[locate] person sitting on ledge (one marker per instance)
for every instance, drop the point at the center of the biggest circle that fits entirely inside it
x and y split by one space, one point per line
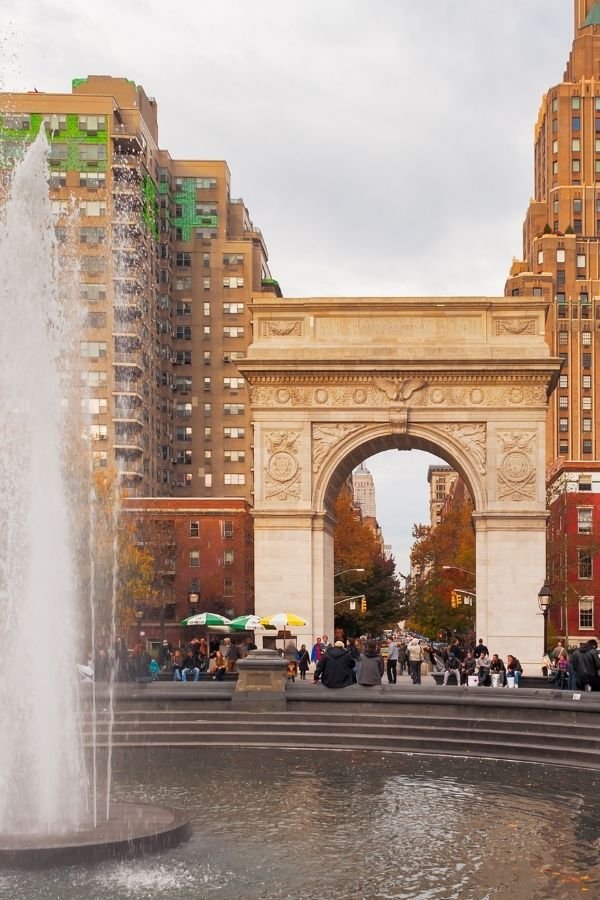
219 666
190 666
497 667
483 670
335 667
513 669
371 665
469 665
453 667
176 664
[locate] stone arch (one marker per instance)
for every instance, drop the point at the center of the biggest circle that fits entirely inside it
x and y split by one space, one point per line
334 380
366 440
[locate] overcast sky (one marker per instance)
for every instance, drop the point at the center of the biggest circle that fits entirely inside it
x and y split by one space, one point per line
384 147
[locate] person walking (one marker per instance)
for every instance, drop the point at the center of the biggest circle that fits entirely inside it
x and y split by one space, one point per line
392 662
371 665
303 662
415 658
585 664
402 658
335 667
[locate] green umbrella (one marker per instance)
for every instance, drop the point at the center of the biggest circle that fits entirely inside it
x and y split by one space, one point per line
245 623
205 618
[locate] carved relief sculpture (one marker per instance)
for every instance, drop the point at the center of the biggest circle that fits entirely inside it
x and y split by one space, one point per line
399 389
472 437
515 326
283 472
282 328
324 438
516 470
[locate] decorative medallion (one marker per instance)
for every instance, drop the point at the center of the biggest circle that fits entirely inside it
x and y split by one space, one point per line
321 396
477 396
516 471
282 472
437 396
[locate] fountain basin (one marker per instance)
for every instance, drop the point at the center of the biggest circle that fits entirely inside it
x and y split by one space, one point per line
133 829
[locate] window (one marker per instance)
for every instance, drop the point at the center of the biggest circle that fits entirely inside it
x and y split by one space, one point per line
57 179
99 459
206 357
575 145
563 447
234 433
540 257
93 379
183 383
233 281
563 402
586 612
227 529
585 483
234 456
586 381
578 226
586 403
183 283
206 308
92 265
560 256
233 309
563 381
554 104
208 480
586 338
576 206
194 559
233 409
576 123
581 260
233 259
58 153
207 409
584 563
575 102
555 167
194 529
563 424
183 308
537 292
576 165
563 337
228 587
584 521
92 153
92 292
233 384
92 208
206 184
93 349
98 432
207 456
183 332
234 478
208 433
233 331
228 557
95 406
91 124
183 410
183 357
587 446
183 260
586 360
183 457
587 425
183 432
92 236
92 180
16 122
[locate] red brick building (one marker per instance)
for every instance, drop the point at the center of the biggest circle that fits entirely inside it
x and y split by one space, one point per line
573 561
203 552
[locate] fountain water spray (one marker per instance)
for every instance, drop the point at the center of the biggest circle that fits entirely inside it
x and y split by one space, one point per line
43 784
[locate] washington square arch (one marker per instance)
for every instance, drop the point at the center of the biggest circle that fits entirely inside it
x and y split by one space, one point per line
335 380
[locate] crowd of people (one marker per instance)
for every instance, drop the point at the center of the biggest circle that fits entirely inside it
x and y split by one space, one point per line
360 661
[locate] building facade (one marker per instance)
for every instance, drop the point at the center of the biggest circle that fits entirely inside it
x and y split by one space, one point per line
203 553
441 480
166 263
561 262
363 488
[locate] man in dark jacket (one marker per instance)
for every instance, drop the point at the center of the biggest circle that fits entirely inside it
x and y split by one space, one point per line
335 667
586 665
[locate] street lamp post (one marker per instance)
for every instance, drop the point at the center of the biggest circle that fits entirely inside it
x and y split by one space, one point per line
458 569
344 571
544 601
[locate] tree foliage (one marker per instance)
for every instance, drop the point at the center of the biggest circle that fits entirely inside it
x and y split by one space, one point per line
451 543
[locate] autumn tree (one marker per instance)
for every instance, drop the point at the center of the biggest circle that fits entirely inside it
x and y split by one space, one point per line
451 544
122 570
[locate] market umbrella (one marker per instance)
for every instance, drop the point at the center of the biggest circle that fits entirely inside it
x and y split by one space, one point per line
282 620
245 623
205 618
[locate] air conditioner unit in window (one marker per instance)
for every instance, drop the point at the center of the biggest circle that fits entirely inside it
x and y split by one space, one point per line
174 360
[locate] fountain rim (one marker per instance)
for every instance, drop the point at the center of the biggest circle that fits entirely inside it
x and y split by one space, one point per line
150 829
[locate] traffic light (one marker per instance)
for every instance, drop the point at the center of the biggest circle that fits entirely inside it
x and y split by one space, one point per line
455 600
363 604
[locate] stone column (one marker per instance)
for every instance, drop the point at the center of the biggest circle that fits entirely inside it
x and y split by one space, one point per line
261 682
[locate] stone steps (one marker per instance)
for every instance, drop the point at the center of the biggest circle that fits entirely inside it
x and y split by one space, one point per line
570 744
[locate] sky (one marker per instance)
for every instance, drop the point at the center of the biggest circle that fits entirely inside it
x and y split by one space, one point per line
384 147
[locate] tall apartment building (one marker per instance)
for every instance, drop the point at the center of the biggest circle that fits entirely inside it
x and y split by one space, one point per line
441 481
168 262
561 240
561 262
